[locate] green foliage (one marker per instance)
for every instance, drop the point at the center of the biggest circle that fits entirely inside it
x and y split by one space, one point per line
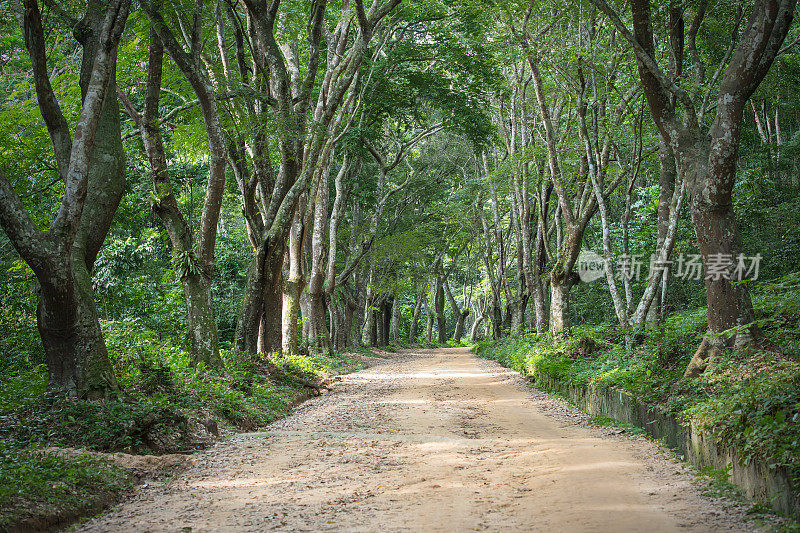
186 264
20 344
133 425
22 388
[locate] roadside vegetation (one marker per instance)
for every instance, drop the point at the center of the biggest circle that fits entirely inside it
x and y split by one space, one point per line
164 405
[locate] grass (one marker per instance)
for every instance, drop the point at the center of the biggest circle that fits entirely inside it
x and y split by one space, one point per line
747 398
154 410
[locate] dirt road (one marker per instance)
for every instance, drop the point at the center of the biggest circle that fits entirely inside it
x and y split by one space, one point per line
429 440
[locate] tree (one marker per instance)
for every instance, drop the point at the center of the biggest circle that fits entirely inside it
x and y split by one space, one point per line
193 257
62 257
303 147
706 152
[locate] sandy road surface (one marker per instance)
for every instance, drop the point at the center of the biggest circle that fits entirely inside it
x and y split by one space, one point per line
428 440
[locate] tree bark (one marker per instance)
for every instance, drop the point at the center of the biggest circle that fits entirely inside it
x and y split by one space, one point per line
473 334
270 323
196 266
293 285
394 329
412 330
559 304
459 313
438 305
667 178
106 185
385 324
259 328
369 334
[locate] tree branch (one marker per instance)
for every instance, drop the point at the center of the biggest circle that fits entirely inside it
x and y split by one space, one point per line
66 221
22 232
57 125
642 20
363 23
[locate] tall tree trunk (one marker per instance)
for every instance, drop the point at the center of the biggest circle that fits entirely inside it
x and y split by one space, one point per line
359 295
293 285
203 338
200 265
438 305
336 317
394 329
370 301
517 312
562 276
459 314
259 328
351 322
318 335
249 322
540 307
473 334
729 304
373 332
562 279
540 260
429 314
460 320
380 325
106 185
668 173
559 304
497 321
412 330
667 179
270 322
305 315
384 322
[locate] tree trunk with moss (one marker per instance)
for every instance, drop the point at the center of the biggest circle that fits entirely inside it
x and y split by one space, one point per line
293 284
194 253
196 281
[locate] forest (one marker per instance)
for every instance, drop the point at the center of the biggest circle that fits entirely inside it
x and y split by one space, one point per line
210 208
